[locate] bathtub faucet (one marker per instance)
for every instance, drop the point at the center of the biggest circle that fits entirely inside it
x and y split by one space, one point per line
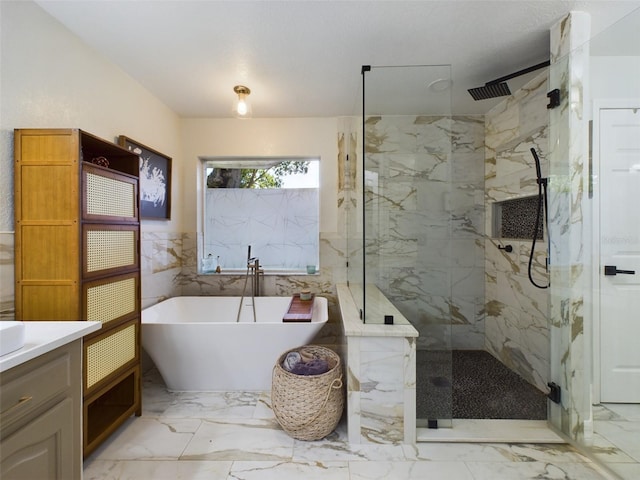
253 265
253 270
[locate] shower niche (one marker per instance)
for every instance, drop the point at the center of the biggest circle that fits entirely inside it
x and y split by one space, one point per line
516 219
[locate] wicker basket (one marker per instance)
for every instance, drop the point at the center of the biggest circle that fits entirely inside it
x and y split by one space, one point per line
308 407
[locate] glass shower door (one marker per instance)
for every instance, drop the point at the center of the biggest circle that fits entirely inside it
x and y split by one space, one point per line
406 231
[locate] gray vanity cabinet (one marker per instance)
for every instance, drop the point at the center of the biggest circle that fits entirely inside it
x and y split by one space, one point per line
40 417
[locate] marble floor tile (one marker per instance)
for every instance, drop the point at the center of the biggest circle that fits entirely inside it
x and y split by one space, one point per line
409 470
156 470
600 412
156 398
243 439
212 405
146 438
534 471
616 438
626 411
290 470
624 434
335 447
626 471
235 436
263 406
605 451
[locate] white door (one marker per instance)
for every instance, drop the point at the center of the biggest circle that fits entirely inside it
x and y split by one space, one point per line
619 180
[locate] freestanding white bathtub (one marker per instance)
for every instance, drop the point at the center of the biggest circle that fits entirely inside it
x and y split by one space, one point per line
197 344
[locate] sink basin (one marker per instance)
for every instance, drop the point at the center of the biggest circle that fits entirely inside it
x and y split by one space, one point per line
11 336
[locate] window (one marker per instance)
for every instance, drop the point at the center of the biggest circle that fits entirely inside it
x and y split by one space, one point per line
271 204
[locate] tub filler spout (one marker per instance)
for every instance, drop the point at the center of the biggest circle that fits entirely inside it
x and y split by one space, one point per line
254 271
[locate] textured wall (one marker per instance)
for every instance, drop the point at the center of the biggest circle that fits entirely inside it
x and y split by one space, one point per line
50 79
7 303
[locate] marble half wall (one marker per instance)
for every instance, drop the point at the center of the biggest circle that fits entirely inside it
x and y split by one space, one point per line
516 325
380 370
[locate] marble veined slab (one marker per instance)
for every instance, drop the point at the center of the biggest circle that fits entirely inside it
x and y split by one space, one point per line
377 306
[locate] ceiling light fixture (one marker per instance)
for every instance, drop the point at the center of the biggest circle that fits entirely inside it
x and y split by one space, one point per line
242 107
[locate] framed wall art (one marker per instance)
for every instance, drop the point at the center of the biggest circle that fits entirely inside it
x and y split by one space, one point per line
155 180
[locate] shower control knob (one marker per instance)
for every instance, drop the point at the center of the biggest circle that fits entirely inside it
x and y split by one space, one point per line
613 270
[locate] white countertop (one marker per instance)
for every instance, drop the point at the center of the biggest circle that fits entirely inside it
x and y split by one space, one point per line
377 307
43 337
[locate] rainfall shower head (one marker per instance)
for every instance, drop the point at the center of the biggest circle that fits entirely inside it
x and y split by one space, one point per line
498 87
490 90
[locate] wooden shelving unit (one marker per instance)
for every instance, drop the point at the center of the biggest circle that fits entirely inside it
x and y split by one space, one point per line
77 256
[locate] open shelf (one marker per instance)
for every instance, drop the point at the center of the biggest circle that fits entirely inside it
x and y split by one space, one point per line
119 158
109 408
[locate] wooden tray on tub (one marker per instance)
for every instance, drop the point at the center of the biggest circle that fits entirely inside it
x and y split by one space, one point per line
299 310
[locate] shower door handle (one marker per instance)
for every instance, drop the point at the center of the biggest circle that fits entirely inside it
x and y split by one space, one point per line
613 270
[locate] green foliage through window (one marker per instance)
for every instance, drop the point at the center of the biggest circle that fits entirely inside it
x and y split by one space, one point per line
271 177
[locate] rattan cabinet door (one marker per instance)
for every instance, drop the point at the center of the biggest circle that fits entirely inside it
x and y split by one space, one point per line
110 354
112 300
109 249
108 195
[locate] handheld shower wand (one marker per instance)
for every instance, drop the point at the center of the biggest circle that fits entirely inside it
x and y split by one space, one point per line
542 198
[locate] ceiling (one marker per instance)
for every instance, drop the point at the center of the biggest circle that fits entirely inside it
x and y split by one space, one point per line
303 58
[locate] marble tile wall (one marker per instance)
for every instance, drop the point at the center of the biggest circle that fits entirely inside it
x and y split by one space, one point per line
516 327
439 148
569 226
160 263
425 223
350 196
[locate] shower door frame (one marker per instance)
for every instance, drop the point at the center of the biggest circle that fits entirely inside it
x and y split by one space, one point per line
380 265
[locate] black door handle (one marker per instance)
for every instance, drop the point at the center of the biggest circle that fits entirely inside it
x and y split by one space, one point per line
613 270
